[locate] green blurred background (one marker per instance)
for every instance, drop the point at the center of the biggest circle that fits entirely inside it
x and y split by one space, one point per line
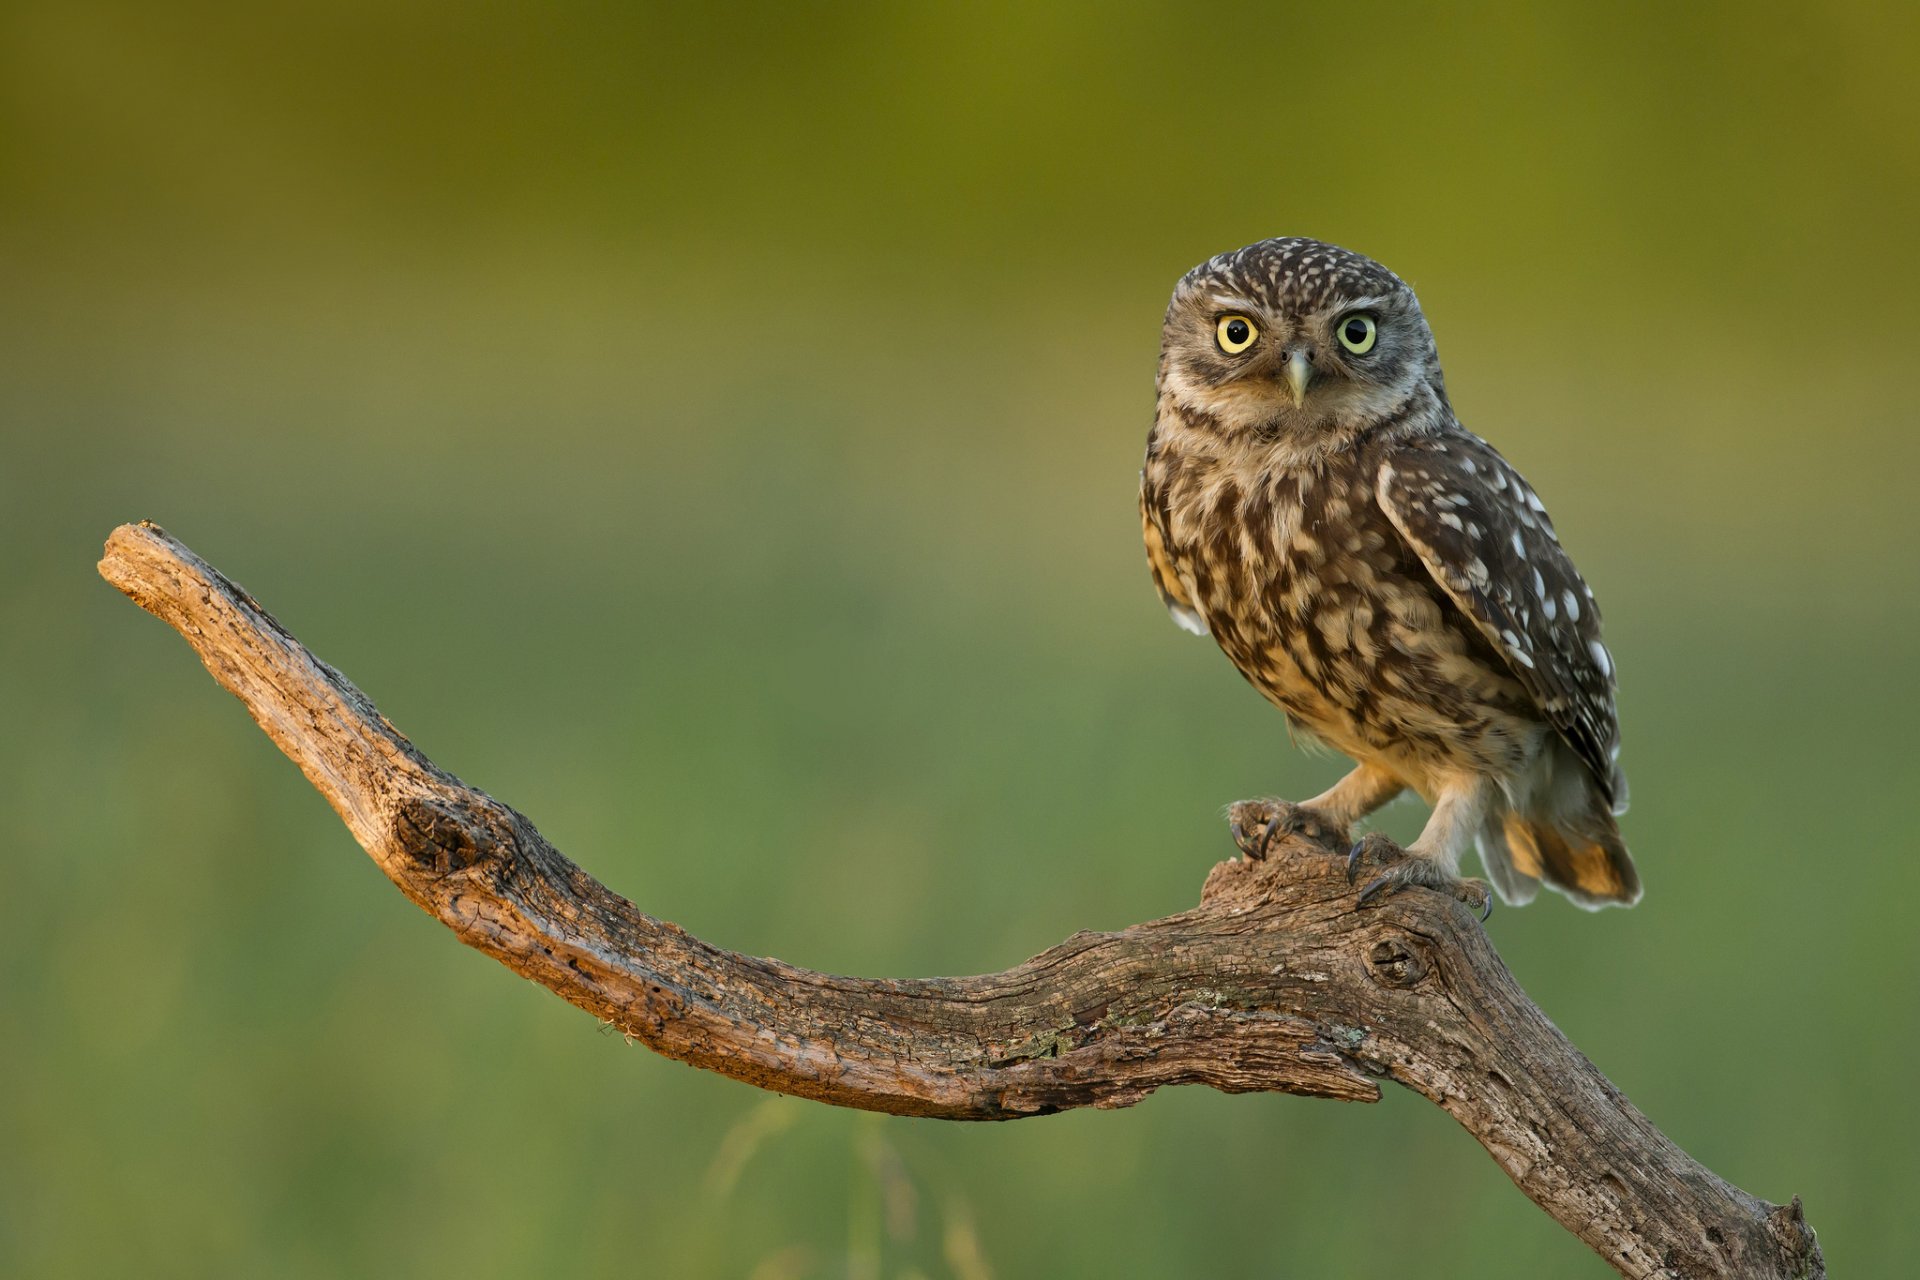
717 435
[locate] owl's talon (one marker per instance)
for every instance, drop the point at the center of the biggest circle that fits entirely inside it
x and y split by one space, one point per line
1374 886
1371 847
1258 825
1255 823
1243 822
1412 869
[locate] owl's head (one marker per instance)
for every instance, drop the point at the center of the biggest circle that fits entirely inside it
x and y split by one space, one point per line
1295 341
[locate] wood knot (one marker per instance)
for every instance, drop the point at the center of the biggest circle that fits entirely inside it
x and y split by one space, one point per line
1396 962
444 834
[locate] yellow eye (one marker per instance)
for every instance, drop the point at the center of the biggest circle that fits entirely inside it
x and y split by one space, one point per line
1357 333
1235 334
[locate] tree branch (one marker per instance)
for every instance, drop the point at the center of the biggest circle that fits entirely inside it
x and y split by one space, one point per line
1274 982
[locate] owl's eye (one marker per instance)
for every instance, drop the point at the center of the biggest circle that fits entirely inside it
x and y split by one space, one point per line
1357 333
1235 334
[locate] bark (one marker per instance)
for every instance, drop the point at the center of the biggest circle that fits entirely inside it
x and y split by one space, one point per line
1275 981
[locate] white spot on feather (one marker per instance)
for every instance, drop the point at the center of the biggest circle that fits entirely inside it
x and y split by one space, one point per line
1601 657
1517 649
1573 605
1519 547
1188 620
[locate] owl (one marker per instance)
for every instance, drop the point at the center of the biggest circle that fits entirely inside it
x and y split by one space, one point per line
1383 576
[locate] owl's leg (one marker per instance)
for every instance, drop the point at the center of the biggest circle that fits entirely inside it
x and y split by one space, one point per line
1432 861
1355 796
1326 818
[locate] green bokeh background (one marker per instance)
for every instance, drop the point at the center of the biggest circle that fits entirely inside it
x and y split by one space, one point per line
717 434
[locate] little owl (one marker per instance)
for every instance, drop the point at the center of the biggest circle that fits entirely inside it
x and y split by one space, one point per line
1382 575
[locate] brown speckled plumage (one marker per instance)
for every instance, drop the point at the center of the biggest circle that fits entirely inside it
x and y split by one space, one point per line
1380 573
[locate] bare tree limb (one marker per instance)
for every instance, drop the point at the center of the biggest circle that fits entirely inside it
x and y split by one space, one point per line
1274 982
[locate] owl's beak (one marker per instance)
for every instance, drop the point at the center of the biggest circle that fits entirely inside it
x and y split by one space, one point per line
1299 372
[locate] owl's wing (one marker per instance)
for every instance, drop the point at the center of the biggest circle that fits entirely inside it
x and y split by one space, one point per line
1173 593
1486 539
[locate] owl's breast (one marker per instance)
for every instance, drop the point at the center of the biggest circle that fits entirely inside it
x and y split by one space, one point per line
1316 599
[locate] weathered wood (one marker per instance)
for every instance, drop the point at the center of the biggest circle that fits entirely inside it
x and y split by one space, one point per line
1274 982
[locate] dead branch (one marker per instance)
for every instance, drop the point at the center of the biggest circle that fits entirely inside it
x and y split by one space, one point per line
1274 982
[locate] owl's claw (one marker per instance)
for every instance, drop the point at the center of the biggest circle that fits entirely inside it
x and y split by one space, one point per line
1372 847
1402 869
1258 825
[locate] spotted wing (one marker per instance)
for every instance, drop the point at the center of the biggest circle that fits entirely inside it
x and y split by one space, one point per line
1485 537
1173 593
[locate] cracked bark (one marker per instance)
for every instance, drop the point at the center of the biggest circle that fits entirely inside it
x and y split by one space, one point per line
1274 982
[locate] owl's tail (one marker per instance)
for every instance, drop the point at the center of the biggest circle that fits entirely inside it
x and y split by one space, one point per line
1582 856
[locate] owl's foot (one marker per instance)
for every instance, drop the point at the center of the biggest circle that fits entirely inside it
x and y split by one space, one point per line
1398 869
1258 824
